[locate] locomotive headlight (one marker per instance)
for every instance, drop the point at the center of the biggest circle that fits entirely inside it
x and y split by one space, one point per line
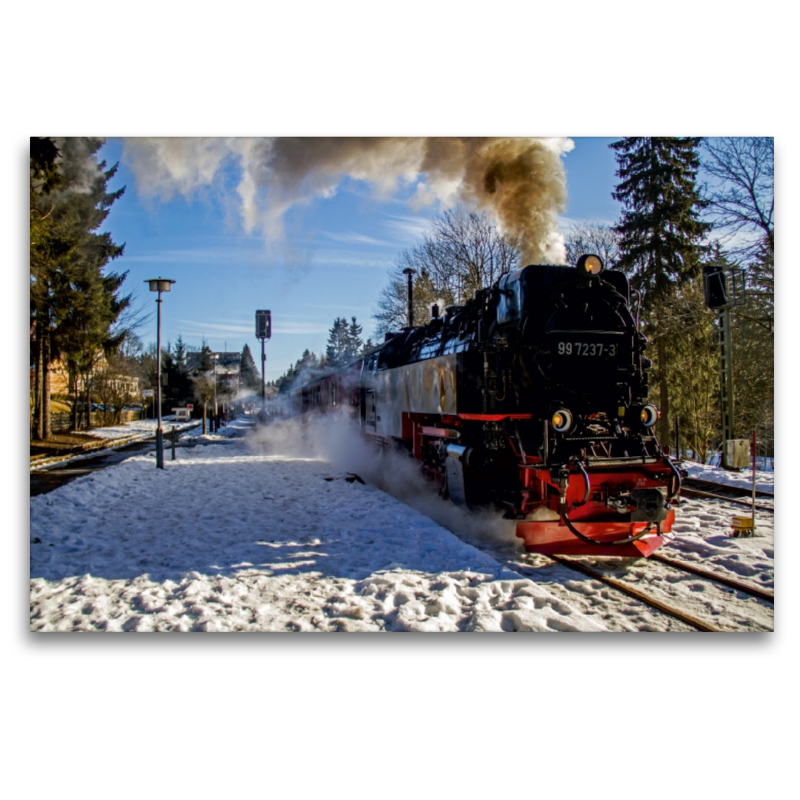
590 265
561 420
649 416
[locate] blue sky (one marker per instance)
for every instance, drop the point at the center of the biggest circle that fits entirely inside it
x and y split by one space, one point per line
333 262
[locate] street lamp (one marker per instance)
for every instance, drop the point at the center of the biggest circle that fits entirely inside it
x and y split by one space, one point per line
216 358
408 271
159 285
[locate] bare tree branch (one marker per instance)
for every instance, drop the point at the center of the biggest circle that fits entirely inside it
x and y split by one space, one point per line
742 195
463 252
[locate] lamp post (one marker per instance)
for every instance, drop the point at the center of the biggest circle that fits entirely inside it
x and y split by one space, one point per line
408 271
216 358
159 285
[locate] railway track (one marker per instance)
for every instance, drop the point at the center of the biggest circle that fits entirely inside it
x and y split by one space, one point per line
705 490
530 566
670 609
739 586
700 490
735 603
733 491
643 597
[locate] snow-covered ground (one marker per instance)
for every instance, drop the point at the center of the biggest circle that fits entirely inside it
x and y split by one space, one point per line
142 427
743 479
268 530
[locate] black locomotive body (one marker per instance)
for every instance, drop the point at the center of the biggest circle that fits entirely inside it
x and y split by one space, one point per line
531 397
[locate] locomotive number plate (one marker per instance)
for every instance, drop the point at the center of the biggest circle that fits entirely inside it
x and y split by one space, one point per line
586 349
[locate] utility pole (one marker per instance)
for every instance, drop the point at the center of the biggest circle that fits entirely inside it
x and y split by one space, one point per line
726 377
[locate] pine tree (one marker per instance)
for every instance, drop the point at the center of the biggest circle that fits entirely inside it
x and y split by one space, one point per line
248 372
179 352
74 302
355 344
344 342
661 234
179 389
337 347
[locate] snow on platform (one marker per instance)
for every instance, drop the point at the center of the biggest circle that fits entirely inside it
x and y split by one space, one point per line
228 538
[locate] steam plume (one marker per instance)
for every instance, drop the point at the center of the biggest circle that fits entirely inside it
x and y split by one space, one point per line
521 182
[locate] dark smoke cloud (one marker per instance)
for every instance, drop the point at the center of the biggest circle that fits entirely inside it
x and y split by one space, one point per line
521 182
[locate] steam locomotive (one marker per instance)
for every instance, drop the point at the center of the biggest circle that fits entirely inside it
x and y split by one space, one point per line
530 397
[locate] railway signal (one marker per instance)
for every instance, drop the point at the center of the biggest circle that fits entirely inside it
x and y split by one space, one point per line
725 289
263 332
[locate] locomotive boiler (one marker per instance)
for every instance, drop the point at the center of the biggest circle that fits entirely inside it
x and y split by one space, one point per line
531 397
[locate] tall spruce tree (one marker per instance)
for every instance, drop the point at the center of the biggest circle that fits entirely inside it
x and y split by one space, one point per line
338 346
248 372
74 302
355 344
661 234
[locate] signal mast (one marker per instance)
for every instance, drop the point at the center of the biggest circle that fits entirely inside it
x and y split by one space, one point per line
725 289
263 332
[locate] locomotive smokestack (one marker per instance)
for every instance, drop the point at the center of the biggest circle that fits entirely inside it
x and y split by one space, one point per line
408 271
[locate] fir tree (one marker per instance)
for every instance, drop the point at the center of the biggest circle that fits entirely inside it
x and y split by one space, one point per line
179 352
248 372
344 342
179 389
661 234
74 302
338 347
355 344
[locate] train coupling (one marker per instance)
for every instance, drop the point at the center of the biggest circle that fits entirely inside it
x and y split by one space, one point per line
621 503
644 505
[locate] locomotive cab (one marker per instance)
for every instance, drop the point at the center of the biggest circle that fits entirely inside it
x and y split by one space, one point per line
579 357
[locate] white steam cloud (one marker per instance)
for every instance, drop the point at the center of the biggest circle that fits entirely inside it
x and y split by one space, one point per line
336 439
520 181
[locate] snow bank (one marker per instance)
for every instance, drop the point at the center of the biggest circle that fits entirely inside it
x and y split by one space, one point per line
229 537
765 481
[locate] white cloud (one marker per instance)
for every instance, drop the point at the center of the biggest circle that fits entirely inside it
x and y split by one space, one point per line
352 237
281 326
